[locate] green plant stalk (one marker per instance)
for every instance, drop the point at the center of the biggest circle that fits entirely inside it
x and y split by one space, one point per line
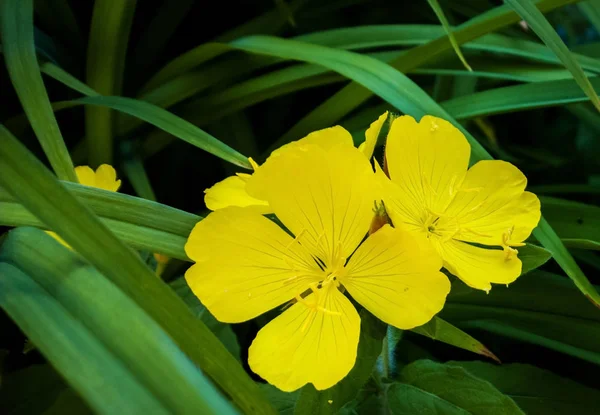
109 35
16 27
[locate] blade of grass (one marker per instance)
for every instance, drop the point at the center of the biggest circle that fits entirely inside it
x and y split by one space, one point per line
518 98
107 48
538 23
116 321
439 12
134 169
99 377
353 95
591 10
27 180
16 27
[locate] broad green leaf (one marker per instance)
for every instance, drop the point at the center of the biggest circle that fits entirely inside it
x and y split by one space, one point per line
457 386
116 322
27 179
439 12
106 51
532 257
538 23
99 377
535 390
16 28
284 402
404 399
52 395
441 330
329 401
572 220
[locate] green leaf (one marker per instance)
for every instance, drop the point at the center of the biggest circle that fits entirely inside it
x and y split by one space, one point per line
16 28
439 12
353 95
538 23
532 257
166 121
517 98
284 402
64 77
404 399
97 375
136 173
329 401
572 220
438 329
27 179
128 333
52 395
107 48
221 330
535 390
457 386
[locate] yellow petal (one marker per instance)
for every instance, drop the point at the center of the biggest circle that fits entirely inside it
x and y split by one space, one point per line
368 146
105 177
304 345
426 160
86 175
324 197
478 267
326 138
245 264
397 280
491 201
232 192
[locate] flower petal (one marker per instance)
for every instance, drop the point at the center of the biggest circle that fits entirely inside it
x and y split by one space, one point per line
304 345
396 279
371 135
427 160
324 197
326 138
491 202
232 192
105 177
478 267
245 264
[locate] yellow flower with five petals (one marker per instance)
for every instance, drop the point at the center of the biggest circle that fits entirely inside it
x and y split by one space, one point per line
246 265
432 193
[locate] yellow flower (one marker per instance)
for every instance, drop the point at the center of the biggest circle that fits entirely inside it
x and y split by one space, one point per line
433 194
105 177
232 190
246 265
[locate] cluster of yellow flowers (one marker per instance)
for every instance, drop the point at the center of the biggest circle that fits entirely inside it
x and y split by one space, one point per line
437 213
323 189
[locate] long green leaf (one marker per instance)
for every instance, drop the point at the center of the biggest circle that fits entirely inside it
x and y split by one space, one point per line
538 23
353 95
97 375
439 12
107 48
27 179
518 98
16 27
116 321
